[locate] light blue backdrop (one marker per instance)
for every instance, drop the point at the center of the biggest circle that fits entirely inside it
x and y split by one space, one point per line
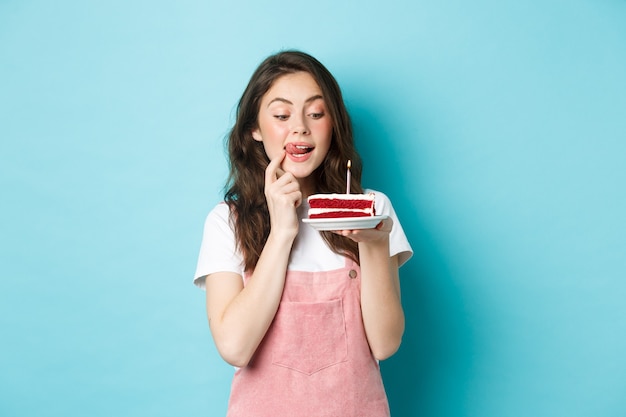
498 129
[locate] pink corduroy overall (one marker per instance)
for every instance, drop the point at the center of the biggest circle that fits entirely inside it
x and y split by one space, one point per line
314 360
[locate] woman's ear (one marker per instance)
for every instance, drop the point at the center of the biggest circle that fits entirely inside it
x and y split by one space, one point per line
257 135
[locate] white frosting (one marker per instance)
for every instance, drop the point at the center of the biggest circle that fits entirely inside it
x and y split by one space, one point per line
369 196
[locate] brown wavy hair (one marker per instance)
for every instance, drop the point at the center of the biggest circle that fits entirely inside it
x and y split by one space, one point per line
248 160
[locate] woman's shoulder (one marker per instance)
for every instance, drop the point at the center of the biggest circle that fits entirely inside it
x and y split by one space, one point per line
399 243
219 214
220 210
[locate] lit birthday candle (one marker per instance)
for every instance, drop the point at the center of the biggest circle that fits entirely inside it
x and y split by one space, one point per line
348 177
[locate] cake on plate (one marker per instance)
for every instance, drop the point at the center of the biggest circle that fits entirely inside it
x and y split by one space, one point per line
329 206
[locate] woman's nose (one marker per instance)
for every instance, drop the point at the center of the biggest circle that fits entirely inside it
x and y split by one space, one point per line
299 126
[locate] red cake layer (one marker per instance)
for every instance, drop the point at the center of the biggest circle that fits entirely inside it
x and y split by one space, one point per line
338 214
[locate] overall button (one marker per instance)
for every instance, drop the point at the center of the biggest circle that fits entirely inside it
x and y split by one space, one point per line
352 273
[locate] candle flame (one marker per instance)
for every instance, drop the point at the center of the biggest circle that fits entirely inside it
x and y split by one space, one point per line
349 164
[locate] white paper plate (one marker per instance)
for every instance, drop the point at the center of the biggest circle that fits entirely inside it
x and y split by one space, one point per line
346 223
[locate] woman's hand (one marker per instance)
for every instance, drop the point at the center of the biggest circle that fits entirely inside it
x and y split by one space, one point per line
379 233
283 195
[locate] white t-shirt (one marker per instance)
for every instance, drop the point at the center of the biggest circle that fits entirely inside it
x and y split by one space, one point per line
218 251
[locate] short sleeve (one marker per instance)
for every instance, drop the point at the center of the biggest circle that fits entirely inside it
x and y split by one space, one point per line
218 251
398 242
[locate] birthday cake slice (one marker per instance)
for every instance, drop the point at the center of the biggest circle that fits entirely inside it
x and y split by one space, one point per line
328 206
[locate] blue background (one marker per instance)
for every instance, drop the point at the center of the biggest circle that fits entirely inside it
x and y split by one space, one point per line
498 129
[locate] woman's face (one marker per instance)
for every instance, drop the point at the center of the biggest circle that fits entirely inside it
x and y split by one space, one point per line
293 117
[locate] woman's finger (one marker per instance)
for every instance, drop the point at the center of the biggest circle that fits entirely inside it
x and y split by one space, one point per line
273 170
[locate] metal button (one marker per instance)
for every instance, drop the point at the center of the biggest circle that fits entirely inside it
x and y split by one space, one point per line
352 273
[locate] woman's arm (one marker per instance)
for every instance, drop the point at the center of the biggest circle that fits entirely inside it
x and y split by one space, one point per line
240 316
383 316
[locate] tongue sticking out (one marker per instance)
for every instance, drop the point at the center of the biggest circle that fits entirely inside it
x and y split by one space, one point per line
297 149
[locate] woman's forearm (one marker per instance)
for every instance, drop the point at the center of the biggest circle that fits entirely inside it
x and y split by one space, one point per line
238 327
383 316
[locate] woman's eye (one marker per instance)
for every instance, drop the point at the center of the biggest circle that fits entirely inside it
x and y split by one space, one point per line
281 117
317 115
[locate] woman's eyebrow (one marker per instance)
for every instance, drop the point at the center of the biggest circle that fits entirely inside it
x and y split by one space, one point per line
284 100
313 98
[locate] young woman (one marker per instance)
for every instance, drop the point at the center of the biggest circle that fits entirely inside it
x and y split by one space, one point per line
303 315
